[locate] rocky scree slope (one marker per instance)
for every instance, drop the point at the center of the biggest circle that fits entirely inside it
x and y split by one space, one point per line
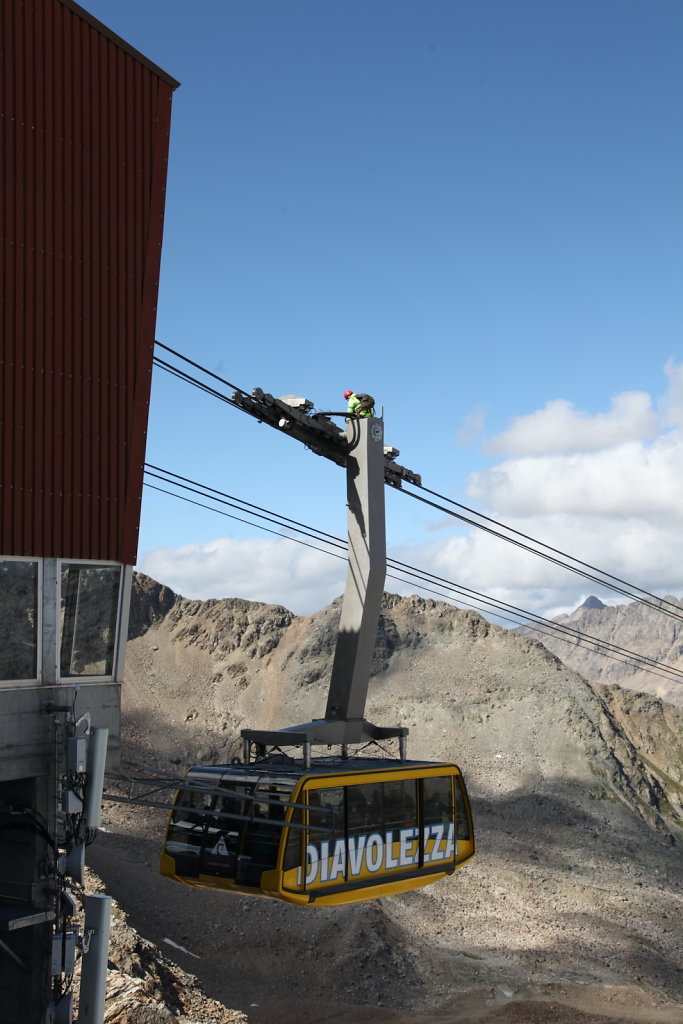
576 791
636 627
144 986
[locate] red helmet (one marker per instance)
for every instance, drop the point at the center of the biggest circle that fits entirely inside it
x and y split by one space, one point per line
347 394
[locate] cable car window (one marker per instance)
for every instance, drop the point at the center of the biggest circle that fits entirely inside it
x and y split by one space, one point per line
400 803
364 807
437 800
326 813
186 833
462 824
223 834
232 802
326 846
293 850
270 800
264 833
183 814
438 832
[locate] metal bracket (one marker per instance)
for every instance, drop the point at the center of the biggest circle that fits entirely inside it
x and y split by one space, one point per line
294 416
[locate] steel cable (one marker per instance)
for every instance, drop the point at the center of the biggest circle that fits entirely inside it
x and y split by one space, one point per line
596 575
468 597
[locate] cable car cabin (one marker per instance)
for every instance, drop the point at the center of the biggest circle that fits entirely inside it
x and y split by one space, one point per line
335 833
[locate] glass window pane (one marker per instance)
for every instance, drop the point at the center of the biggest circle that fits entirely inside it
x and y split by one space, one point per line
364 808
234 802
222 834
293 850
186 834
89 607
271 801
437 800
326 811
462 825
326 842
264 832
400 803
19 620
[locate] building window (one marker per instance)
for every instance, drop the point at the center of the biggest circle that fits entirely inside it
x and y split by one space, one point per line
89 611
18 620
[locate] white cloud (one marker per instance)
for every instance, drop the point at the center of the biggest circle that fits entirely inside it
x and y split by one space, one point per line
267 570
560 428
607 489
635 479
647 555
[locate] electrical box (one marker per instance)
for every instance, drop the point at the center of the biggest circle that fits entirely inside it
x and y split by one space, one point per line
71 802
76 754
64 952
67 904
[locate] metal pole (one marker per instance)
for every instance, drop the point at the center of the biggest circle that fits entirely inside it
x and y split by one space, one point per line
367 568
97 756
95 956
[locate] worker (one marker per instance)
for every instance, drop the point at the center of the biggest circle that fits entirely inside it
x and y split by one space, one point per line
360 404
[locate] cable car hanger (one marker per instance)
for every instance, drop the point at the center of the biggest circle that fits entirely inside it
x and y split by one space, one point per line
369 464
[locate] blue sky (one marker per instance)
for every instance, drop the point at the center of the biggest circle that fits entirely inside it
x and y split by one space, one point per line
472 210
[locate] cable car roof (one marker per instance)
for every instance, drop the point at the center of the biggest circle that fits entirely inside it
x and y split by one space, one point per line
325 766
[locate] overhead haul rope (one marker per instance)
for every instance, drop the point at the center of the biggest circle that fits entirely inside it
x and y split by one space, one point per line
262 513
628 590
239 519
515 614
545 627
602 579
197 366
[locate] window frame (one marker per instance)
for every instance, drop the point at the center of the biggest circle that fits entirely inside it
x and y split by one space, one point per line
14 684
49 627
75 680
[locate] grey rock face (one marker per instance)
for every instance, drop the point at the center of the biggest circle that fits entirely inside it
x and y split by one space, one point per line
576 789
636 627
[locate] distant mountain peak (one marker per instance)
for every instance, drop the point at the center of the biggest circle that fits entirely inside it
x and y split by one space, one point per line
590 603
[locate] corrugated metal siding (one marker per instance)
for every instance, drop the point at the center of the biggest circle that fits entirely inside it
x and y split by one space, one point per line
85 134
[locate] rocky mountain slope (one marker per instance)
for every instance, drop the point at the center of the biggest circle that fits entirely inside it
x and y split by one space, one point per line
571 910
636 627
143 986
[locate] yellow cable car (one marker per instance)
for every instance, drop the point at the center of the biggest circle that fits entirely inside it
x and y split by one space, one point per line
332 830
338 832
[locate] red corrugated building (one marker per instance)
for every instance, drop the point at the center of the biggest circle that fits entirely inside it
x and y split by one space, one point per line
85 137
84 146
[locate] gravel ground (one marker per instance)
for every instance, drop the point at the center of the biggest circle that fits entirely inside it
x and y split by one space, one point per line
571 910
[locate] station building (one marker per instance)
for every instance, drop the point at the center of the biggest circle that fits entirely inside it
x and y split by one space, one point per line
85 140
